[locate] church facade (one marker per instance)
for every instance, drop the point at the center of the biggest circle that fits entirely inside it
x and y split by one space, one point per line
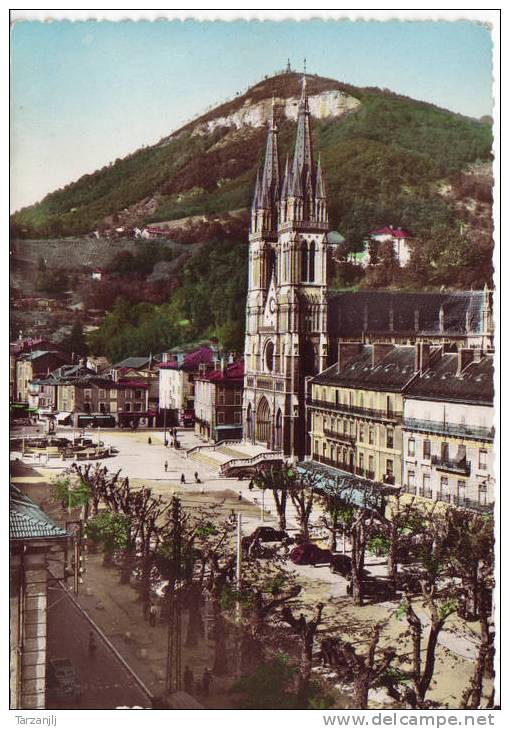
294 322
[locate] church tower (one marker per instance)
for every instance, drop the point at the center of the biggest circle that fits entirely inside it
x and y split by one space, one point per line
286 311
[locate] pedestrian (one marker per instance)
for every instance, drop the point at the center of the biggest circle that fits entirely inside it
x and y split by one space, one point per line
166 466
206 681
166 442
149 440
183 478
188 680
152 615
92 644
240 496
146 606
197 480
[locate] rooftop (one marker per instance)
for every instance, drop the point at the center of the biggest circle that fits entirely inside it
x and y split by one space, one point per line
474 385
28 521
390 374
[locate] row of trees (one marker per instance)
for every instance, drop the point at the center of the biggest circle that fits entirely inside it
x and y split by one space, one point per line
450 558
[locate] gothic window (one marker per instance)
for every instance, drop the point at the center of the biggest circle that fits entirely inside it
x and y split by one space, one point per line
270 356
304 264
263 421
311 276
249 421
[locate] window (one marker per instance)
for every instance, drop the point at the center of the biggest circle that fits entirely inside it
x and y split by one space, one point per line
87 394
102 394
221 395
127 407
389 467
371 466
138 407
445 452
389 438
360 461
238 397
361 432
426 448
337 397
220 417
411 447
371 435
445 488
411 479
482 461
138 394
426 485
237 418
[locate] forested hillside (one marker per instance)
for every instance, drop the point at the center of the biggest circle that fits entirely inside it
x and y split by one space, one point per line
387 159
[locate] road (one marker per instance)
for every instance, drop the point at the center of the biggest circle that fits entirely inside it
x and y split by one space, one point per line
105 682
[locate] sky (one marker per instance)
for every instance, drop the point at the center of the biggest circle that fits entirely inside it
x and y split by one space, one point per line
86 93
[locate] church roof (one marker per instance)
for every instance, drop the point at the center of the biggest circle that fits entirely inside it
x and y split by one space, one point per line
350 314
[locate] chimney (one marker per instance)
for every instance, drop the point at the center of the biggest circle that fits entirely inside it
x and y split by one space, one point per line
380 350
421 357
465 357
347 351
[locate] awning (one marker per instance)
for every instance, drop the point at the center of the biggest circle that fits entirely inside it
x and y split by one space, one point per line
62 416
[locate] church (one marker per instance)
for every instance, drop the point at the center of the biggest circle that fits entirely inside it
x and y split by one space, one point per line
295 322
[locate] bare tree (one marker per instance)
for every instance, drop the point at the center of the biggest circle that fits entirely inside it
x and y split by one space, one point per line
306 631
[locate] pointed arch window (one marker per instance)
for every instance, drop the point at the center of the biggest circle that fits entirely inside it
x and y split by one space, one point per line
311 264
304 263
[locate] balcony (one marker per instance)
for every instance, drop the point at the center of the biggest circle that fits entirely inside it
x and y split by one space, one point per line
409 489
476 432
389 478
342 437
331 462
392 416
459 467
371 475
426 493
447 498
466 503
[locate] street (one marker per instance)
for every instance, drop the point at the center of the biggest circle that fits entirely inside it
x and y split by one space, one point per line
105 682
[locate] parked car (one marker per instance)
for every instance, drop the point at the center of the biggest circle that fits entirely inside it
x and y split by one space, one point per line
61 680
265 534
310 554
378 588
341 564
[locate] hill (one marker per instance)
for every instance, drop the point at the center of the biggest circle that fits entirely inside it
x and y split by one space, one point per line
382 153
387 159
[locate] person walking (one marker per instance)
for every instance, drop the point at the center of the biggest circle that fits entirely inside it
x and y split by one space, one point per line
152 615
240 496
149 440
92 644
206 681
166 466
183 479
197 480
188 680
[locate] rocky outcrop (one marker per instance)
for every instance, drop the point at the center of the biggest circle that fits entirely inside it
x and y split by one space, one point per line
325 105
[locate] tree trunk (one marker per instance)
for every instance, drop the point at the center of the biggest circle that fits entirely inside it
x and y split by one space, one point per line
195 630
361 688
333 540
357 587
392 554
220 667
430 660
305 668
127 566
146 578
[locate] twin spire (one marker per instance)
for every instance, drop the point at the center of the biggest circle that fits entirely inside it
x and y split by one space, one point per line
302 181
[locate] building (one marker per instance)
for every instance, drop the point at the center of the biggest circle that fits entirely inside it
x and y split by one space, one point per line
356 407
399 240
219 401
34 365
286 309
177 384
294 323
448 429
144 371
35 543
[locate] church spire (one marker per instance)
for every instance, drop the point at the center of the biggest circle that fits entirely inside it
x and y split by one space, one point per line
303 151
270 189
